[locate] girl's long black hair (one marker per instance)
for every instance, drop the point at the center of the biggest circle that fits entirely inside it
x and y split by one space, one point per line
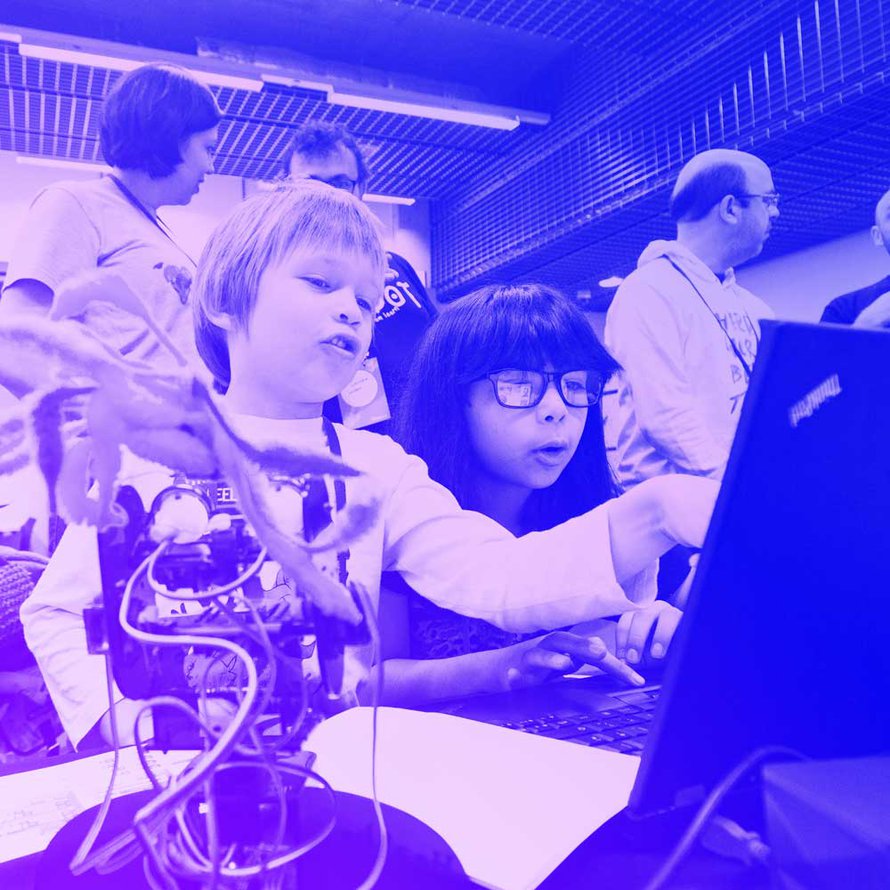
522 326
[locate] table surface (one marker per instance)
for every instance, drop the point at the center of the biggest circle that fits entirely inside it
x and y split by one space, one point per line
623 854
619 856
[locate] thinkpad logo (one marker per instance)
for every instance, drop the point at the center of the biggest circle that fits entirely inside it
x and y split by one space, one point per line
814 400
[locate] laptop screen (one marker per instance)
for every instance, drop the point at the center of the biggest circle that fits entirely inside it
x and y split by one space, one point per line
786 638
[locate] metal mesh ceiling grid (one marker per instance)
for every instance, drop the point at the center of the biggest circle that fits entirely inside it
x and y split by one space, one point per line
626 22
829 189
769 90
284 105
636 96
53 109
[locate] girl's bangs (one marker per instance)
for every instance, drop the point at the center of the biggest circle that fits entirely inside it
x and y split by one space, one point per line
530 334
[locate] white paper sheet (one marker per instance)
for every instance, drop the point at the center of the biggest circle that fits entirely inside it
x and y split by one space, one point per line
35 805
511 805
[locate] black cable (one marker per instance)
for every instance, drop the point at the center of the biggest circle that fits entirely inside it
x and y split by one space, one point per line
709 806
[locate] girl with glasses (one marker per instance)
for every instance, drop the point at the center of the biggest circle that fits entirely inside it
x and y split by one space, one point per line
503 404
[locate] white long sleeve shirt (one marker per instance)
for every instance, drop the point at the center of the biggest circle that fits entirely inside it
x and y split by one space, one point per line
678 336
458 559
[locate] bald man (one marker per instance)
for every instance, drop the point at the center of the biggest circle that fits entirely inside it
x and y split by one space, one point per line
870 306
683 330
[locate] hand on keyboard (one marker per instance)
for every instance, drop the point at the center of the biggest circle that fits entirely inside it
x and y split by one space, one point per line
635 629
545 658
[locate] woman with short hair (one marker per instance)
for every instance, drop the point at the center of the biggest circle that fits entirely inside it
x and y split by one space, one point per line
158 133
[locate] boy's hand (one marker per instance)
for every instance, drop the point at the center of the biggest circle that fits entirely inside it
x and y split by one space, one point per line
559 653
659 621
681 594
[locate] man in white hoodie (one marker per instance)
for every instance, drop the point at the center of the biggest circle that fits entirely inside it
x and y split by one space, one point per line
684 331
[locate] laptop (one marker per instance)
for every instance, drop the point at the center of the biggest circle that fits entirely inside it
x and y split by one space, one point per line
786 636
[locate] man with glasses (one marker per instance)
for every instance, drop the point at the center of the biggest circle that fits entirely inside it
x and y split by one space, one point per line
683 330
870 306
328 153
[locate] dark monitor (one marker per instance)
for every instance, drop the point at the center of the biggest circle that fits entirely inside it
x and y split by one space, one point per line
786 639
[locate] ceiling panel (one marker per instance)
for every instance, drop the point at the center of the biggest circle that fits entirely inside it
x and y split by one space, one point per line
626 25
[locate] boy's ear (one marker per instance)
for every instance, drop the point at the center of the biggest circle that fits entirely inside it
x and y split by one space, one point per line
221 319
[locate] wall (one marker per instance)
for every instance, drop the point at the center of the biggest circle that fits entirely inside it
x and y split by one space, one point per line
407 233
405 229
192 224
799 285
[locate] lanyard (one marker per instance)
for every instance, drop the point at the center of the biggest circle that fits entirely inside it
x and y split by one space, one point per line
154 220
333 442
732 343
317 512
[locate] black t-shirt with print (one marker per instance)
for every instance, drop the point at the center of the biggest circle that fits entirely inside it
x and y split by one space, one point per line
406 313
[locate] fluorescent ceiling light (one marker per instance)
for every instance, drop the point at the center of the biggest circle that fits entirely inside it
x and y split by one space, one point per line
62 163
284 81
120 63
371 198
265 185
612 281
434 112
10 37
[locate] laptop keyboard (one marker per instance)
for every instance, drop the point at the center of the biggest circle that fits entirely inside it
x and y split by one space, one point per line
622 728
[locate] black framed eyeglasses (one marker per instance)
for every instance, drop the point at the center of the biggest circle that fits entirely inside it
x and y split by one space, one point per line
516 388
770 199
341 181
